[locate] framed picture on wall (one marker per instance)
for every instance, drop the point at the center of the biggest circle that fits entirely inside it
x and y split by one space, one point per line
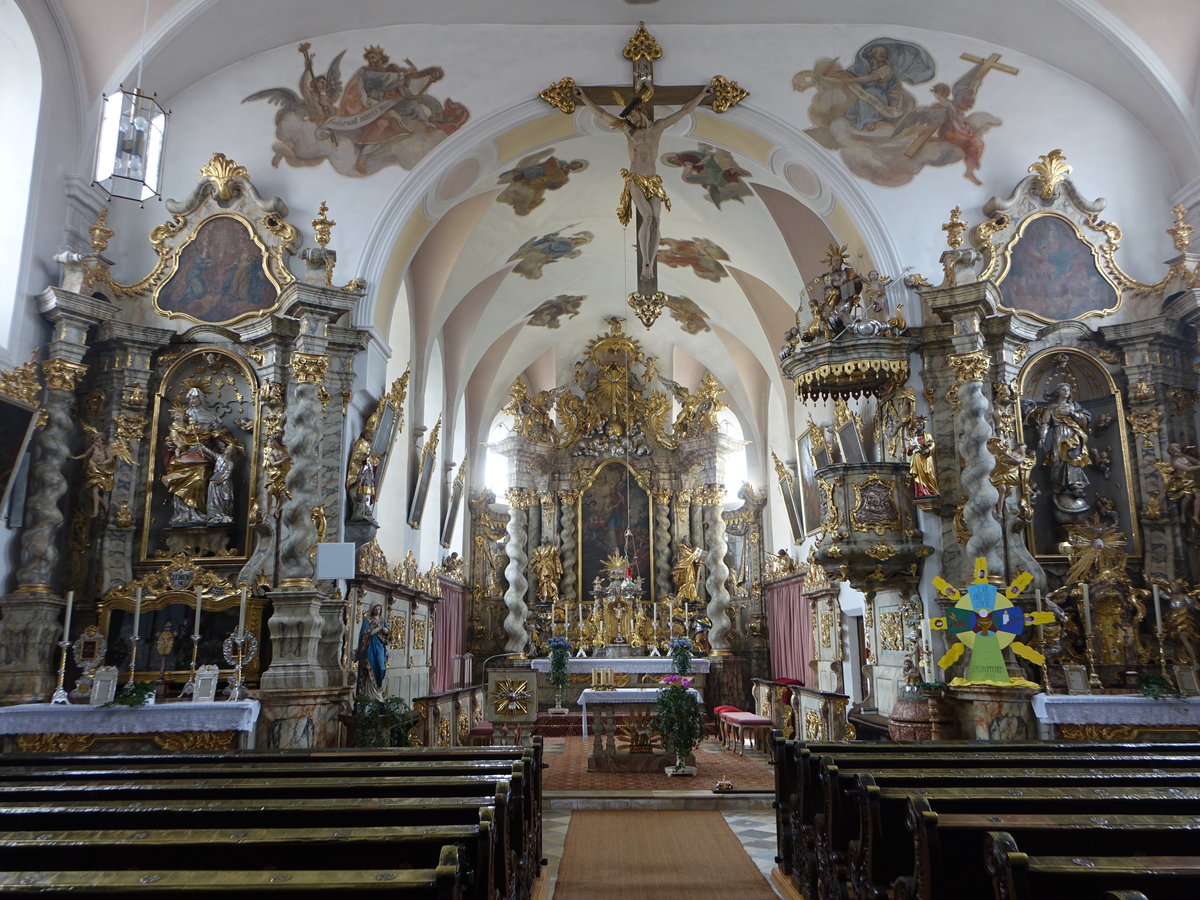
850 442
809 496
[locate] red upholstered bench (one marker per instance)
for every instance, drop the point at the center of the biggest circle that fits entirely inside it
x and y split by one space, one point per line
719 712
481 735
740 724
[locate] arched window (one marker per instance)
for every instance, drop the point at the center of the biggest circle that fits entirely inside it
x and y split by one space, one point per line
737 472
495 467
20 96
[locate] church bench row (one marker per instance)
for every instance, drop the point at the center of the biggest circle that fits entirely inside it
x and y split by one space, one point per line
948 847
317 849
797 770
445 881
494 862
332 763
851 831
373 776
1018 875
827 836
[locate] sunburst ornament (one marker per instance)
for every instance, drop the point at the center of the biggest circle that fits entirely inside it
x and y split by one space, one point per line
987 621
1093 548
511 697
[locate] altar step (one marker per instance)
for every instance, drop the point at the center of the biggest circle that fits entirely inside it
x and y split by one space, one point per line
572 723
560 800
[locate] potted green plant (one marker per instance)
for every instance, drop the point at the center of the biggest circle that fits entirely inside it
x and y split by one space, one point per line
560 653
677 719
385 723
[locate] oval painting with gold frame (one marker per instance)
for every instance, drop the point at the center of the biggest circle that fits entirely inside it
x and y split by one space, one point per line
220 275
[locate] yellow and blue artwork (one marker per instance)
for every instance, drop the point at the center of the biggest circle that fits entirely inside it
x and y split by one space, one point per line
985 621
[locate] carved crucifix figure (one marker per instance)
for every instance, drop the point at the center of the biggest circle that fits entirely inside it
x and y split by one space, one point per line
643 191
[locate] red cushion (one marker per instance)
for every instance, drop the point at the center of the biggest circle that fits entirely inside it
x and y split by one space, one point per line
789 681
483 729
723 709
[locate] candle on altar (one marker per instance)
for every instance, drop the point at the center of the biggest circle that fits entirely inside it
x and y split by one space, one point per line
579 606
1037 604
593 677
137 612
1157 610
1087 615
242 613
67 617
199 603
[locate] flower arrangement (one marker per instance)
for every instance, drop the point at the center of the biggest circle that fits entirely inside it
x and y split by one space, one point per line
677 717
560 653
681 655
135 694
386 723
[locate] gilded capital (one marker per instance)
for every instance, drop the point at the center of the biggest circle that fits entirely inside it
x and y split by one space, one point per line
969 367
310 368
62 375
661 496
21 383
521 498
569 497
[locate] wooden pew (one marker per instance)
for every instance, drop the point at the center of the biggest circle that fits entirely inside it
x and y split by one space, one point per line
800 806
948 846
443 882
1021 876
531 756
853 845
283 814
328 849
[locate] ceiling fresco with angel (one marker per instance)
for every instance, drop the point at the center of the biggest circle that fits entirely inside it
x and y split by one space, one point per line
888 117
383 115
714 170
535 174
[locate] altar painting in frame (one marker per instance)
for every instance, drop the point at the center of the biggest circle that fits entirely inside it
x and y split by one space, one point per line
1054 273
220 275
613 502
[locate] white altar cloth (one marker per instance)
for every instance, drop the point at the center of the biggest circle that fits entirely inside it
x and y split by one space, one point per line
67 718
636 664
629 696
1115 709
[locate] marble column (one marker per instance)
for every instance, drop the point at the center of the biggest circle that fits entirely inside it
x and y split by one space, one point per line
718 571
662 543
30 626
975 426
519 502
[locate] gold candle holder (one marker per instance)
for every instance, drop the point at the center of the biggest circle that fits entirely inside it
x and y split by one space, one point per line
190 687
60 692
133 652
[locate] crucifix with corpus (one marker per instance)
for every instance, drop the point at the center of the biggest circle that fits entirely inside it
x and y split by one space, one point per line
643 191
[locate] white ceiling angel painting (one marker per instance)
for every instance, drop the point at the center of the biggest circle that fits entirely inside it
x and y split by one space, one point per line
884 128
383 115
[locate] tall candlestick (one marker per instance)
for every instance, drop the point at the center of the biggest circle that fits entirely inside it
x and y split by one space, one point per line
1037 605
71 603
137 612
927 650
242 613
1087 612
1157 610
199 603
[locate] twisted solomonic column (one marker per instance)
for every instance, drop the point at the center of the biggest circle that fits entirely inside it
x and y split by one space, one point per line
662 542
974 428
718 571
567 542
520 500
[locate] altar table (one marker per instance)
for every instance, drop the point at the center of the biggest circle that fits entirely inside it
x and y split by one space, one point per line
1117 717
626 696
74 728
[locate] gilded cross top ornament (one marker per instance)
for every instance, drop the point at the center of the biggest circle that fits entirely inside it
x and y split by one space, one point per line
643 191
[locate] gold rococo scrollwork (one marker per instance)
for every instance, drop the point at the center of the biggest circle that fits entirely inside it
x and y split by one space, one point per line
882 551
220 172
725 93
887 516
521 498
1050 170
21 384
310 368
642 46
1145 421
561 95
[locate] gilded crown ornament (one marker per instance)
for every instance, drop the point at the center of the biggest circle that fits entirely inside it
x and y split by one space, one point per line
323 226
1050 170
221 171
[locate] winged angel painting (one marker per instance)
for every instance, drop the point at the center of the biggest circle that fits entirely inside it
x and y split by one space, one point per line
383 115
884 132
